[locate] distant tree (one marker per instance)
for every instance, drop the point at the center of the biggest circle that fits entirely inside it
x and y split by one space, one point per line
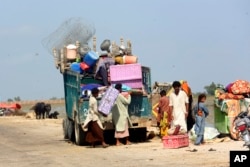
10 100
17 98
53 98
210 88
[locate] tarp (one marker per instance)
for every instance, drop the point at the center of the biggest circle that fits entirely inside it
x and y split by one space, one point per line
89 86
210 133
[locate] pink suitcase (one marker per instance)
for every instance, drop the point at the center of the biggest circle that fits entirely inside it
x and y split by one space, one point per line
108 100
128 74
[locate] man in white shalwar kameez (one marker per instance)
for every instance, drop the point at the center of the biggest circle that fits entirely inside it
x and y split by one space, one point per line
178 102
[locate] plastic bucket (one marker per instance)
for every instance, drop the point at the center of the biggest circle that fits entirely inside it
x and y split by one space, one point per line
90 58
71 52
129 59
75 67
84 66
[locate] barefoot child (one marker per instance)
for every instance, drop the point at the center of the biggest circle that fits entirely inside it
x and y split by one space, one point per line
200 113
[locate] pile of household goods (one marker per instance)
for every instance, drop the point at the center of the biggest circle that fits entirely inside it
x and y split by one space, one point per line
86 61
229 102
114 64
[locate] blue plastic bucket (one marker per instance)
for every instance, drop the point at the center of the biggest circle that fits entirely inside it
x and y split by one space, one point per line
76 67
90 58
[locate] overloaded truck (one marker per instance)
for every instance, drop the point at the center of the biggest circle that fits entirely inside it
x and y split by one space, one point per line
78 64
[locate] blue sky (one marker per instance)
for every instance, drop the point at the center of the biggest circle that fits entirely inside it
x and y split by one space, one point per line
201 41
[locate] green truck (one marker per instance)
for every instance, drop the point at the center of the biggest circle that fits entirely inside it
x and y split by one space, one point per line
76 107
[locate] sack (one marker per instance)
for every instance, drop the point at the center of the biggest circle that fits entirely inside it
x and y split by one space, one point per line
200 113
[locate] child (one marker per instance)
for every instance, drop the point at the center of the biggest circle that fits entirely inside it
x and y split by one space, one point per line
200 112
164 116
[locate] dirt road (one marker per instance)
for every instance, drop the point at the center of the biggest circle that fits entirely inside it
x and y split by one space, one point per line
28 142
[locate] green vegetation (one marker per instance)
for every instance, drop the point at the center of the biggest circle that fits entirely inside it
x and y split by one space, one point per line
210 88
14 99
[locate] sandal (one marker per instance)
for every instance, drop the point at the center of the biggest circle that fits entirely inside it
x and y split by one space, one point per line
212 149
193 150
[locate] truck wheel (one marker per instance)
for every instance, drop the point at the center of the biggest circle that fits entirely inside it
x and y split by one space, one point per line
71 131
68 129
79 134
65 129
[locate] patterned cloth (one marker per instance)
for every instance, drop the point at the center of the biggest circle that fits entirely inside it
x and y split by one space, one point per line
230 96
240 87
233 108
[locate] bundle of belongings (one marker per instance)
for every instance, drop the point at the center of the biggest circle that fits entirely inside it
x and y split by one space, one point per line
233 99
114 64
83 60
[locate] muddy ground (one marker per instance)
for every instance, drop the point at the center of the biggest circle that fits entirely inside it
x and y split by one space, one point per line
29 142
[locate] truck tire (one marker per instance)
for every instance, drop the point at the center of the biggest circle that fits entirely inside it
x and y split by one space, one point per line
79 134
65 129
71 131
68 129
